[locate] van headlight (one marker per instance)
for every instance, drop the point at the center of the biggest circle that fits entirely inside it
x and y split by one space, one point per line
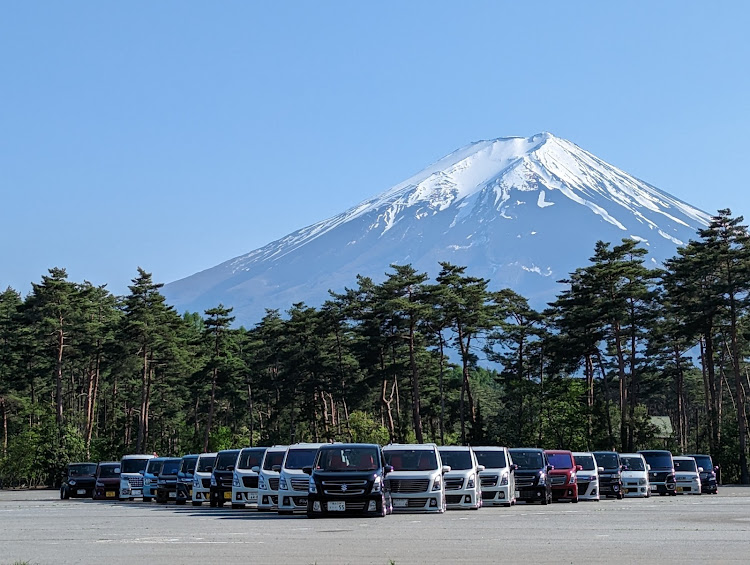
282 482
311 486
196 482
72 483
542 479
470 482
504 480
235 480
213 480
572 478
377 485
261 482
437 483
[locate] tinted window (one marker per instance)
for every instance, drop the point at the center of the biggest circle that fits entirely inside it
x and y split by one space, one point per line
205 462
685 465
273 458
491 459
347 459
560 460
171 467
298 458
658 459
704 461
109 471
457 460
411 459
133 465
632 463
250 458
607 460
586 462
82 469
154 466
226 458
188 465
528 460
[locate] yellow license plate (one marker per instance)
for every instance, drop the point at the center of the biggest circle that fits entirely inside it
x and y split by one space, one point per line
110 494
625 491
679 489
228 495
190 492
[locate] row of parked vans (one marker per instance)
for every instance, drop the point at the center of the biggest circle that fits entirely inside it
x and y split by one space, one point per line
342 478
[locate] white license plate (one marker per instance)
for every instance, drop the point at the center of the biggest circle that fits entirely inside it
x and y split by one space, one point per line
136 492
517 494
400 503
654 487
172 495
252 496
334 506
81 491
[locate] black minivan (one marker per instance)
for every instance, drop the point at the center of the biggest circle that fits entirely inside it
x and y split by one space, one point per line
532 475
348 478
221 477
610 473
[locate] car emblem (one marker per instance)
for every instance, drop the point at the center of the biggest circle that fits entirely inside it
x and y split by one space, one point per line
343 488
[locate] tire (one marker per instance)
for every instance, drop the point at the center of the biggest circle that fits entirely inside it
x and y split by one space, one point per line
574 500
220 503
212 503
311 514
619 496
285 512
179 502
237 506
545 501
196 502
146 499
507 504
64 494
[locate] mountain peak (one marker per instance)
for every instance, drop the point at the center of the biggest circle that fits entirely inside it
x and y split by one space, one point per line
521 211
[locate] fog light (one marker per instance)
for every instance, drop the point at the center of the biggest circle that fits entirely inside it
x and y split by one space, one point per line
501 495
467 499
433 503
615 488
239 496
285 501
593 492
316 506
372 506
265 500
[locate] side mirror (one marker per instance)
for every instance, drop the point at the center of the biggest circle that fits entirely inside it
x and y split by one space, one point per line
550 468
142 472
648 467
307 470
716 468
700 469
513 468
255 469
276 468
387 469
623 467
230 468
480 468
579 467
446 469
600 469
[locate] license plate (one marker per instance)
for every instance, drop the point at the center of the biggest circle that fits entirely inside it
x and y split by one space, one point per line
136 492
625 491
228 495
517 494
252 496
400 503
172 495
81 491
679 489
654 488
335 506
110 494
190 492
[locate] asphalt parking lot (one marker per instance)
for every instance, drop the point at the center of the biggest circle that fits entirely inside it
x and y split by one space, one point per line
38 527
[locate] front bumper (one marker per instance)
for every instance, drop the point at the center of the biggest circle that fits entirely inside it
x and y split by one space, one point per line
588 489
244 495
662 488
462 499
268 500
497 496
201 494
184 492
366 505
106 493
565 492
685 487
709 486
220 495
292 501
610 487
632 489
412 502
534 493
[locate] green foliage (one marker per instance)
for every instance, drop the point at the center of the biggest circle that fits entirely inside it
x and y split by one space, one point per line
366 430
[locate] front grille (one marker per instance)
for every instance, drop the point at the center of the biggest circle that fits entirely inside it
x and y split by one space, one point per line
273 484
489 495
274 500
344 487
583 487
659 477
453 498
524 481
489 481
631 483
136 482
300 484
416 502
454 484
557 480
408 485
250 482
206 483
355 506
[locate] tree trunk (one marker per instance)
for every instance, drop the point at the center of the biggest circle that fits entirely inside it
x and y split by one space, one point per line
416 416
142 412
212 400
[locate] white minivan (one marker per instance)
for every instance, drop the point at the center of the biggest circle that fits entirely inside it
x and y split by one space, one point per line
293 481
202 478
588 477
131 475
416 482
268 478
245 476
687 475
635 481
463 489
498 478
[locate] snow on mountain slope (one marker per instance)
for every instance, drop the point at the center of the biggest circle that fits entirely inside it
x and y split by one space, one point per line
523 212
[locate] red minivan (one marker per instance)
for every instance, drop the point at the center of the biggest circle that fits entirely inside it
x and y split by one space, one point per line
563 475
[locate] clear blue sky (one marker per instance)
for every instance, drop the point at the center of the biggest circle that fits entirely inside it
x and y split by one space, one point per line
176 135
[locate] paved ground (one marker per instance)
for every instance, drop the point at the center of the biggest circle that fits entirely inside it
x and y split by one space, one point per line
37 527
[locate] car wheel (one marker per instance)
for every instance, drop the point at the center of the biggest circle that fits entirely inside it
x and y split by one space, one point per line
619 496
575 500
146 499
545 501
285 512
507 504
237 506
212 503
64 494
220 503
311 514
179 502
196 502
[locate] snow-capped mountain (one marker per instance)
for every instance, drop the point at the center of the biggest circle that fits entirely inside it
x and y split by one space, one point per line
523 212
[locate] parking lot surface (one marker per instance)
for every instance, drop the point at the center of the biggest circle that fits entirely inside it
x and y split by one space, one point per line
38 527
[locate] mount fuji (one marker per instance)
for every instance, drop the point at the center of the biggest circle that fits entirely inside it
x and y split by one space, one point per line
522 212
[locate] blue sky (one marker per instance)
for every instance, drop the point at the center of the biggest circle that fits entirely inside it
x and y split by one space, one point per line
176 135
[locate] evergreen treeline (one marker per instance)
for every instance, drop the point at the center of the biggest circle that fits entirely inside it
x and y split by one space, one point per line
88 375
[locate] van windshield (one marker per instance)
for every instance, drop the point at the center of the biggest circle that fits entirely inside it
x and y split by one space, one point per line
528 460
685 465
82 469
109 471
560 460
411 459
170 467
704 461
632 463
226 458
491 459
250 458
586 462
205 462
154 466
133 465
298 458
658 459
272 459
341 459
457 460
188 465
607 460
